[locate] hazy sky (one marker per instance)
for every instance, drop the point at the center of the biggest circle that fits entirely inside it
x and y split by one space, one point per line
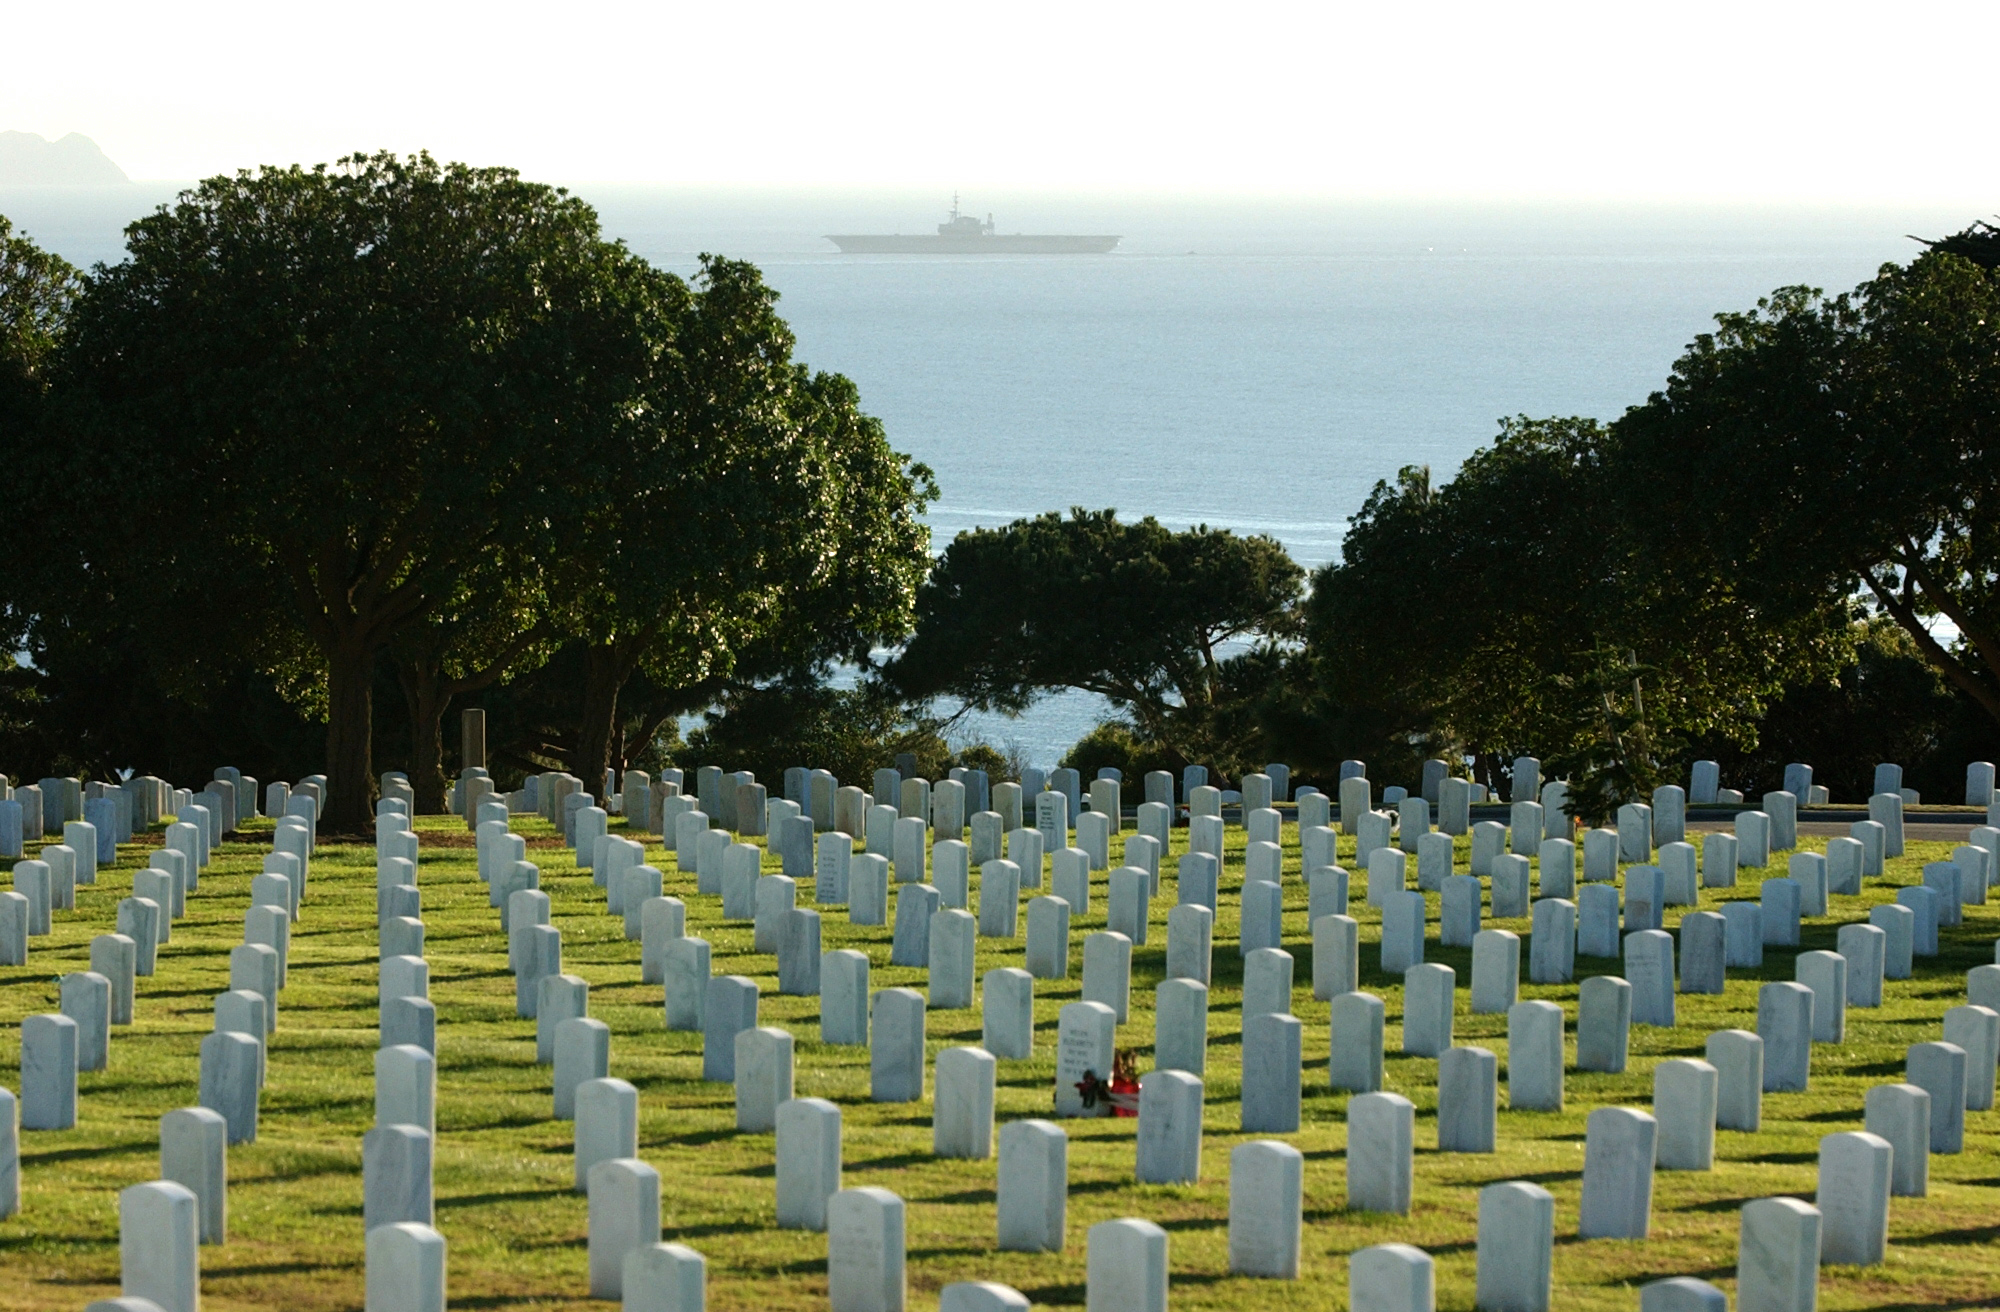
1691 100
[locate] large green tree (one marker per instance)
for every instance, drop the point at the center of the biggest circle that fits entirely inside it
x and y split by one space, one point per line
336 392
761 524
1819 446
1162 624
1511 611
38 290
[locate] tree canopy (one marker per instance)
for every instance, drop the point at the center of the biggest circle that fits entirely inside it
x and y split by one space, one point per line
1160 623
1823 445
425 411
352 385
761 525
1511 612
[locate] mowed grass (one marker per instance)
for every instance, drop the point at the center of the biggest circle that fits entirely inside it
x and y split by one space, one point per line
517 1231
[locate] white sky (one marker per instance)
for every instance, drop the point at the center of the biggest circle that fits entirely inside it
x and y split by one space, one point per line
1692 101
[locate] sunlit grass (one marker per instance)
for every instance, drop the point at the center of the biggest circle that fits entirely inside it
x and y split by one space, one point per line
517 1232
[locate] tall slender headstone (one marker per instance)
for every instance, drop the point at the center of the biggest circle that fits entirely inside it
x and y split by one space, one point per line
624 1219
864 1251
808 1162
158 1238
1266 1199
1618 1156
1380 1146
1515 1249
1126 1267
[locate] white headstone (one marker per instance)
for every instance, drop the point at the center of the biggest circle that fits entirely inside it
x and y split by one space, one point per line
1380 1146
1684 1096
1032 1186
624 1218
1901 1115
194 1153
1778 1256
1007 1013
1939 1069
1355 1026
1392 1277
607 1126
962 1104
1516 1244
1266 1202
1603 1023
1784 1022
1126 1267
1085 1034
896 1049
1535 1056
1618 1154
395 1176
1468 1100
1169 1133
864 1251
158 1236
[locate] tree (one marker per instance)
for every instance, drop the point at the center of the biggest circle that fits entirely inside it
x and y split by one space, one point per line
349 388
496 625
1510 612
1158 622
847 731
1823 446
38 290
1886 704
762 527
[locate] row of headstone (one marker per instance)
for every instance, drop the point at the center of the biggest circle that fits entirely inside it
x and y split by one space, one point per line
77 1037
745 1039
404 1253
161 1222
951 1126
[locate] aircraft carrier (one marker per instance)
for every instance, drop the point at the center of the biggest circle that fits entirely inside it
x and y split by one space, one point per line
963 234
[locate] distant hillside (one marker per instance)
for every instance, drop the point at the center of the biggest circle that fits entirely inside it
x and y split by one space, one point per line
27 160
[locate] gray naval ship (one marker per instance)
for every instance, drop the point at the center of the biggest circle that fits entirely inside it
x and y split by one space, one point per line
963 234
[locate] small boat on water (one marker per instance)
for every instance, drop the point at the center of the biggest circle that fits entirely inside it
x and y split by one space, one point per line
965 234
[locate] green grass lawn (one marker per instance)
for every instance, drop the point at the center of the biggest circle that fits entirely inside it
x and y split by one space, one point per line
503 1169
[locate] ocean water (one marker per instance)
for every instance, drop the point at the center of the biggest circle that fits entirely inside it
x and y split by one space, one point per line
1255 364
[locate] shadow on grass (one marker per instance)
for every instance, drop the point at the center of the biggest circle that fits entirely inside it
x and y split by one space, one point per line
1849 1114
1984 1234
726 1228
273 1269
1056 1295
82 1154
958 1250
898 1160
505 1196
1893 1069
1720 1204
971 1196
697 1138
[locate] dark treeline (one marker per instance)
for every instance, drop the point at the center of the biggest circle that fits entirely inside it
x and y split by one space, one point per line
351 445
1754 565
336 452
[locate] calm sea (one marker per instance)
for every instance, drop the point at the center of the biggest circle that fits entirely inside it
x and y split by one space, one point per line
1250 364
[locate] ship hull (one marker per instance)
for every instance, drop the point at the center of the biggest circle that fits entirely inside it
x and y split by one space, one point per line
995 244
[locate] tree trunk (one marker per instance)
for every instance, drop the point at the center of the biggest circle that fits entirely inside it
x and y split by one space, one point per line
428 699
350 730
606 668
